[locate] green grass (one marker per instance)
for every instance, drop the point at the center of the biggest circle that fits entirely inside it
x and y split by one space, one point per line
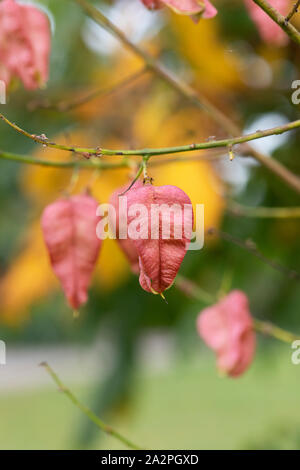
189 407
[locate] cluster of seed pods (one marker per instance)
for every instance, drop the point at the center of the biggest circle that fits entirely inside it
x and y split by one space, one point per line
69 228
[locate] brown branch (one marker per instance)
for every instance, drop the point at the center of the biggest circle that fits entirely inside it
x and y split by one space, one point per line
64 106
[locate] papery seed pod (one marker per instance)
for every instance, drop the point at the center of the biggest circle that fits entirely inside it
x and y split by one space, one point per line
126 245
160 222
25 41
268 29
227 328
69 229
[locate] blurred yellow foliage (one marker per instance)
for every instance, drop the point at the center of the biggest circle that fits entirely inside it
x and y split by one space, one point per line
28 280
202 46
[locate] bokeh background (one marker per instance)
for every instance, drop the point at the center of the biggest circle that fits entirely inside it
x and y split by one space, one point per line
133 359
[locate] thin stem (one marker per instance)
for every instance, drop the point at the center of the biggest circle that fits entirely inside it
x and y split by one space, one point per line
192 290
149 152
251 247
91 416
91 164
64 106
264 212
287 27
269 329
138 174
190 94
293 11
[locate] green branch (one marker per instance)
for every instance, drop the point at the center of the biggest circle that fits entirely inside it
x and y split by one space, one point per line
91 164
283 22
91 416
150 152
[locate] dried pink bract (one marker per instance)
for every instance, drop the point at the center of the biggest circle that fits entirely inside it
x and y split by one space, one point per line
227 328
163 218
69 229
25 41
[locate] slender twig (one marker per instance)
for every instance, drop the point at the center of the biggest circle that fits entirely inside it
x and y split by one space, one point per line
89 413
250 246
190 94
64 106
91 164
263 212
290 30
96 163
87 152
269 329
293 11
192 290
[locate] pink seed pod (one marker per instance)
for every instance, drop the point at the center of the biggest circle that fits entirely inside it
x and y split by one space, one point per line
25 41
126 245
160 223
227 328
69 229
268 29
194 8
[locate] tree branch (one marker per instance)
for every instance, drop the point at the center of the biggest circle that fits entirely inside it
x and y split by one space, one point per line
91 416
290 30
190 94
149 152
92 164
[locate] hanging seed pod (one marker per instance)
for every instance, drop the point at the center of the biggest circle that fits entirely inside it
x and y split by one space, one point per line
160 222
25 42
126 245
69 229
227 328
